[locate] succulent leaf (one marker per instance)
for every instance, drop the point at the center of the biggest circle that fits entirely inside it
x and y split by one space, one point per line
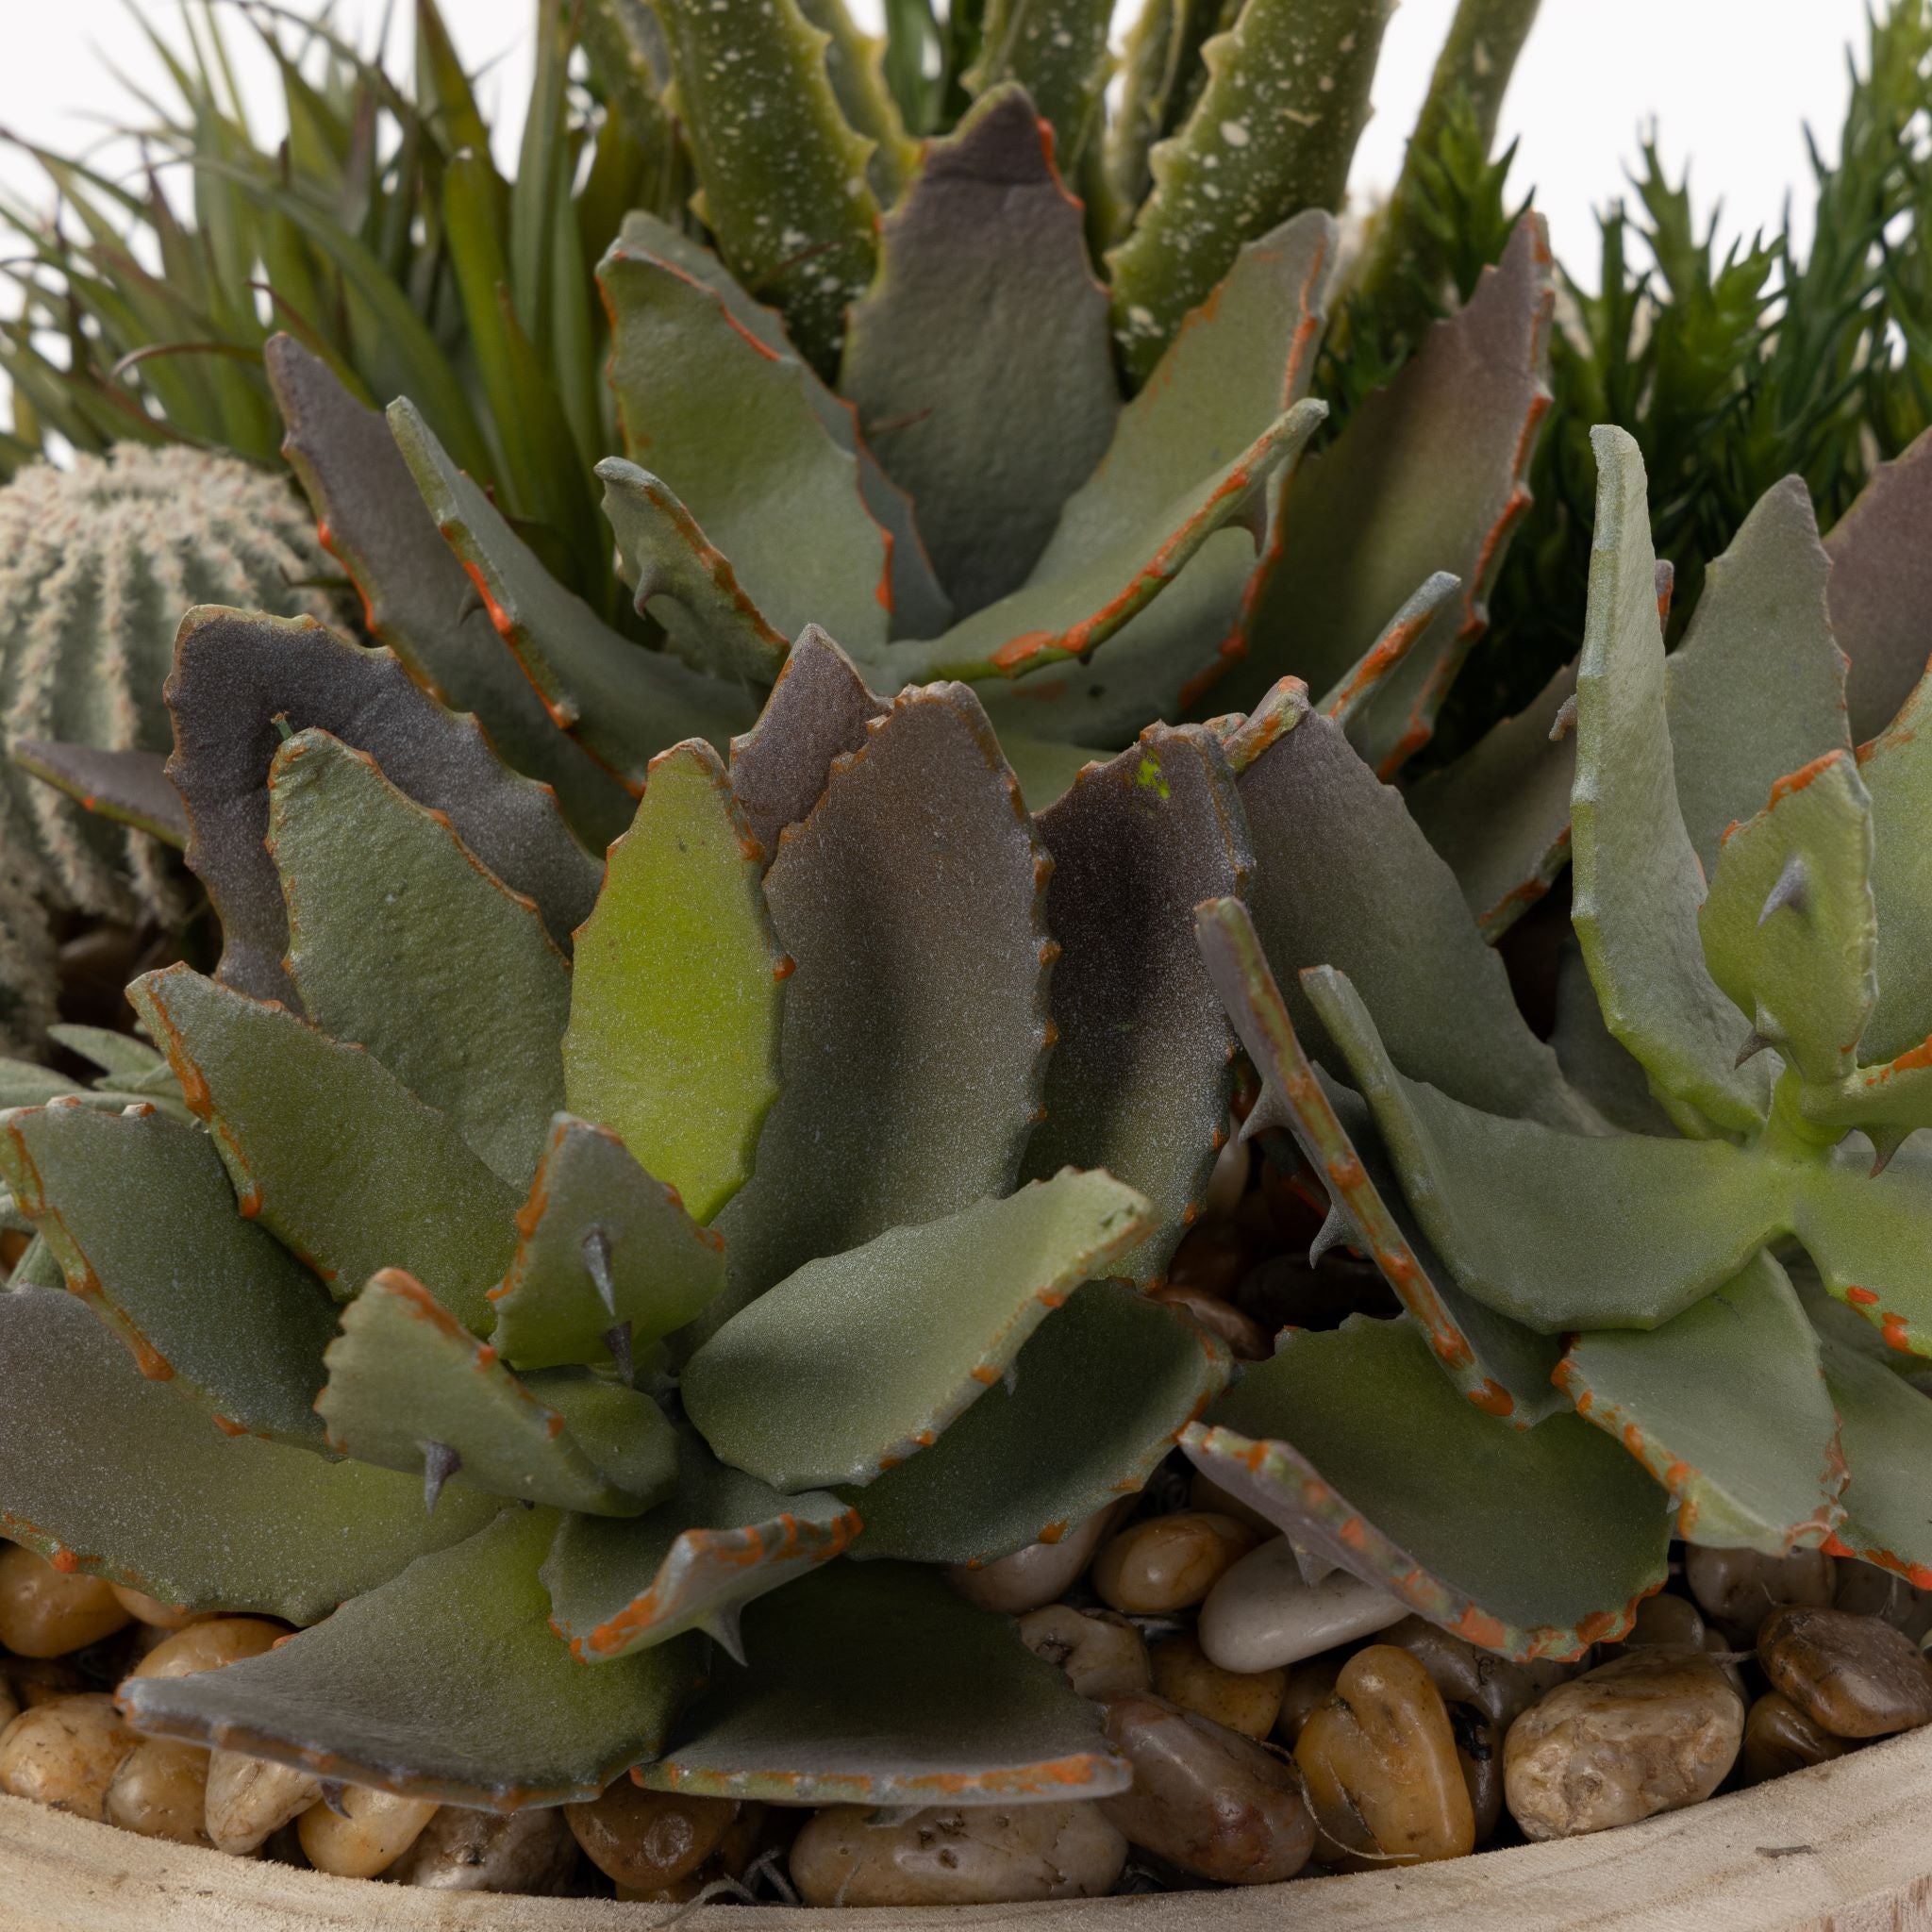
402 941
130 788
447 1682
1881 587
855 64
1098 1397
1045 767
334 1154
123 1477
938 1702
1886 1427
1534 1542
861 1359
1592 1061
980 362
679 987
1057 51
1869 1235
121 1056
235 674
1351 703
138 1210
1896 768
1690 1401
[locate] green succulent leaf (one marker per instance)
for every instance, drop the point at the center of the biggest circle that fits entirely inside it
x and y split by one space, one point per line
1093 1401
1592 1061
861 1359
1351 702
622 702
138 1210
125 1478
444 1683
855 64
411 1389
1758 686
121 1056
1789 929
617 1585
415 597
335 1156
235 674
1726 1406
1896 769
596 1220
402 941
1352 1441
1886 1428
1141 1075
1881 585
127 788
1272 133
936 1702
1057 51
679 989
1869 1235
1636 881
1502 1367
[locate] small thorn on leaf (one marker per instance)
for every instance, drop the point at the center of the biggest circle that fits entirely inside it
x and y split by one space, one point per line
1755 1042
596 1252
439 1462
617 1340
332 1792
1886 1142
1334 1228
1565 720
1253 517
1011 1378
1792 889
720 1626
471 606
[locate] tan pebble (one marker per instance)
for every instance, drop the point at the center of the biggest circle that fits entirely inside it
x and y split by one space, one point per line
1651 1731
1206 1798
1379 1764
378 1830
850 1855
1466 1674
1246 1339
161 1790
1867 1591
152 1610
1262 1614
1738 1589
460 1850
1206 1495
48 1612
1168 1562
649 1839
1857 1677
65 1753
1778 1737
1039 1573
251 1798
1102 1654
209 1644
1310 1685
1244 1701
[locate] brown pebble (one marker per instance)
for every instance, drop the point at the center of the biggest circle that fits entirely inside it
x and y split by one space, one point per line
1479 1752
1867 1591
65 1753
1039 1573
1738 1589
1310 1685
1102 1653
1169 1562
1212 1257
1464 1673
530 1852
161 1790
1778 1737
649 1839
1855 1676
1247 1340
1244 1701
48 1612
1671 1620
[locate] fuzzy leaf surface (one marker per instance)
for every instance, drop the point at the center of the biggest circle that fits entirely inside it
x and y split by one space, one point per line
128 787
1886 1428
1869 1236
1881 588
1352 702
1896 769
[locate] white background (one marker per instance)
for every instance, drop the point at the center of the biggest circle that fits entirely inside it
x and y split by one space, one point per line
1729 82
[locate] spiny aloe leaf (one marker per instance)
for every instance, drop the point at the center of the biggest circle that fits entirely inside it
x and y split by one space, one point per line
119 1476
1886 1428
1351 703
401 939
1869 1235
980 362
128 787
1501 1366
415 597
596 1221
1758 686
936 1702
1429 475
1896 768
622 702
1354 1443
1789 929
1594 1063
691 1563
731 424
679 992
1881 588
1726 1406
338 1158
782 175
138 1210
1500 815
1637 883
1272 132
1141 1074
1057 51
497 1713
235 674
915 1027
861 1359
855 65
1093 1404
1344 878
1559 1230
411 1389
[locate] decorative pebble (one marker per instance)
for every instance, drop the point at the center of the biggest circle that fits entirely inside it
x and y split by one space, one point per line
1246 1339
1867 1591
209 1644
1244 1701
251 1798
1168 1562
1379 1765
10 1703
370 1832
1102 1654
65 1753
649 1839
1212 1257
1261 1615
1738 1589
851 1855
1479 1752
40 1680
48 1612
1855 1676
1778 1737
460 1850
1205 1798
1310 1685
1464 1673
152 1610
161 1790
1039 1573
1649 1732
1672 1621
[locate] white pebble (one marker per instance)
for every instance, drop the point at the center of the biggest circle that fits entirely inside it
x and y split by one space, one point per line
1261 1615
